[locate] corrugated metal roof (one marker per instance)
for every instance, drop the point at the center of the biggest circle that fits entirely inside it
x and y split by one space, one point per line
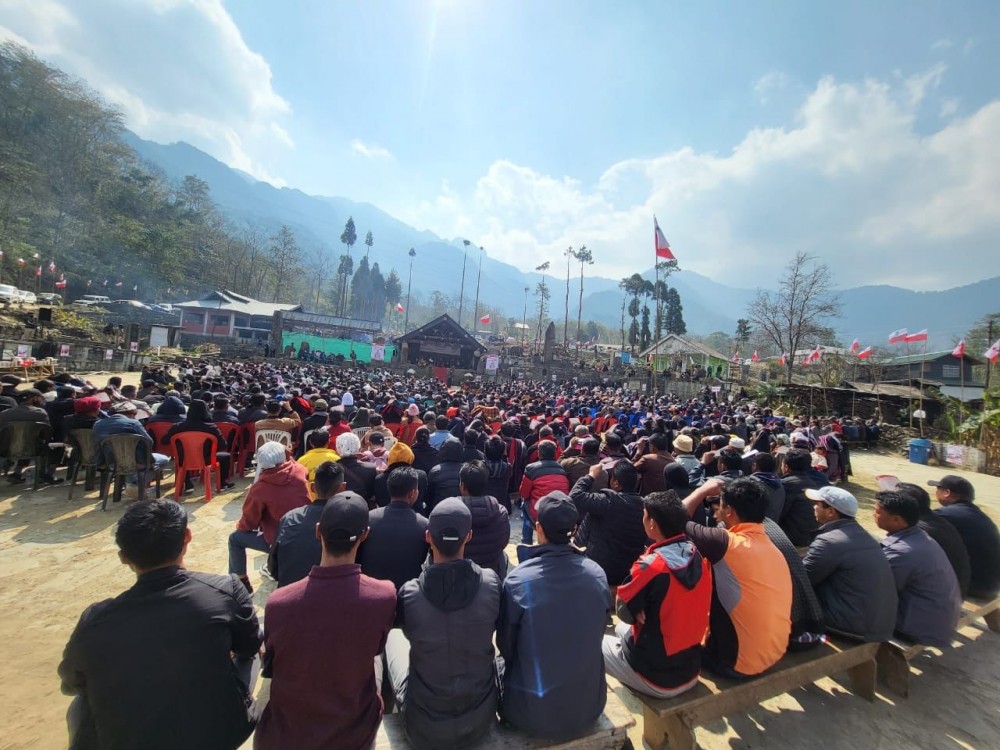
912 359
223 299
684 344
887 389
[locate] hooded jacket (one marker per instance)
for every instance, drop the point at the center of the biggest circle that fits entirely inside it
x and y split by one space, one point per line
278 491
797 518
490 533
672 584
425 457
442 480
775 493
612 531
449 615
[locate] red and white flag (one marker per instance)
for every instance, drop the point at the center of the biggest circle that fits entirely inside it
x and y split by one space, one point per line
61 284
784 359
855 346
52 266
662 246
865 353
754 358
38 271
736 357
20 261
815 354
898 337
959 351
918 336
400 308
485 318
993 353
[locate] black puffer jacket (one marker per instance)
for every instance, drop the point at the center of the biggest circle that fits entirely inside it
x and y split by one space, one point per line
498 482
797 518
612 531
425 457
382 487
442 480
490 533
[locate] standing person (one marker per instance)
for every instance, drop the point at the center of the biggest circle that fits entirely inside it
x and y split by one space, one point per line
280 487
396 547
929 602
612 529
958 506
441 663
553 685
321 638
129 692
540 478
850 575
663 605
296 548
750 620
650 467
490 523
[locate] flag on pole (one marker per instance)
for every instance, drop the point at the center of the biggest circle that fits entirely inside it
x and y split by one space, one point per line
784 359
135 288
662 246
993 353
865 353
814 355
61 284
118 283
736 357
485 318
38 271
918 336
959 351
89 282
754 358
105 282
855 346
52 266
898 337
20 261
400 308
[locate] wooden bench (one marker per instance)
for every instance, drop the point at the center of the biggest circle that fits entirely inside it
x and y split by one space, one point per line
895 656
672 721
610 732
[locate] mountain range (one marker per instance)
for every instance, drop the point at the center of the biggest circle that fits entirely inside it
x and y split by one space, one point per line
869 312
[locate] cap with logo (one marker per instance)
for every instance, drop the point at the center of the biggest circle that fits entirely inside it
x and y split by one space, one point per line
839 499
344 517
450 521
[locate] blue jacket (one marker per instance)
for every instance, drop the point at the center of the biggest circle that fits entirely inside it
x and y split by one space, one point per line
552 615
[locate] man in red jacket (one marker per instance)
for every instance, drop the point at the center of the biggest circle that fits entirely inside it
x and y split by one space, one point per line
281 486
540 478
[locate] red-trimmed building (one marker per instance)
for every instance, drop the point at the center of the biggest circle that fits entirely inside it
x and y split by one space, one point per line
226 314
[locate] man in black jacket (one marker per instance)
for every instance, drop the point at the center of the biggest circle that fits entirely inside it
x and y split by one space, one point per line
797 518
359 475
612 530
942 532
443 479
490 522
296 548
192 687
396 548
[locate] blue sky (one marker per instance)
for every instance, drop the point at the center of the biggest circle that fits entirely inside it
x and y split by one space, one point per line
865 133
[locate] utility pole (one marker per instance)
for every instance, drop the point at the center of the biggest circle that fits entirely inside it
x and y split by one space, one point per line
479 277
409 284
524 319
989 365
461 293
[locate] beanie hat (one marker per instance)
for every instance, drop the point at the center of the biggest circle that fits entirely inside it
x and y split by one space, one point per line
348 444
269 455
400 453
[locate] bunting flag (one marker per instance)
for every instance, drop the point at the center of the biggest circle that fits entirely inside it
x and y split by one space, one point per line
89 282
736 358
135 287
400 308
898 337
485 318
959 351
855 346
61 284
814 355
52 266
662 246
918 336
865 353
784 359
754 358
105 282
993 353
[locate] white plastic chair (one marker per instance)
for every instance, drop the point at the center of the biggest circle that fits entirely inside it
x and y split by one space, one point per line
361 431
276 436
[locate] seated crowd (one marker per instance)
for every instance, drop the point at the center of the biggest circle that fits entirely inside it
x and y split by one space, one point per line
711 530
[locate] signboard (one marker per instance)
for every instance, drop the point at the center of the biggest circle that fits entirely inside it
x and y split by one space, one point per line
378 353
133 346
158 336
626 358
64 350
716 388
109 354
23 350
492 363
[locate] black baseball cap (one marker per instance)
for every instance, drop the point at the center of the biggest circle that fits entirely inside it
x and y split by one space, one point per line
956 484
558 515
450 521
344 517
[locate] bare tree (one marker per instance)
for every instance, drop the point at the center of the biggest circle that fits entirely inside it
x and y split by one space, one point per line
794 314
318 266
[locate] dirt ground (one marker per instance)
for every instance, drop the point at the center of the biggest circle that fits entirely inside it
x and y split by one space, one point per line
57 556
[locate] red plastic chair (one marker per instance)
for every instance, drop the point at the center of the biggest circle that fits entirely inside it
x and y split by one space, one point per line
189 448
158 431
248 438
232 433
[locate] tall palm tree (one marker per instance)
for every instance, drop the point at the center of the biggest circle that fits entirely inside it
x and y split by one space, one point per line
586 258
542 292
461 294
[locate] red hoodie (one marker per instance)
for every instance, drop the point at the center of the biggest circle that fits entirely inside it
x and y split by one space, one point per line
278 491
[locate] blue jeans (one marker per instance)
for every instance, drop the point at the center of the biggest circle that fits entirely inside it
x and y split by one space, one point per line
159 460
239 543
527 525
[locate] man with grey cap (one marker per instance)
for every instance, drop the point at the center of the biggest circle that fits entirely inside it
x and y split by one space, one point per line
441 663
849 573
321 637
553 685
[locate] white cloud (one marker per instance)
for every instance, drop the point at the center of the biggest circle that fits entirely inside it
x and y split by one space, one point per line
178 69
948 108
768 83
942 45
851 180
369 151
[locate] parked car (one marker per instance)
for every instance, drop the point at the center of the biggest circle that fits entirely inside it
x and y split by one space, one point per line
165 307
124 304
29 298
8 294
49 298
89 300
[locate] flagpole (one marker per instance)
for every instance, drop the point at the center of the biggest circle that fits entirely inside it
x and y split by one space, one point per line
922 419
659 320
961 393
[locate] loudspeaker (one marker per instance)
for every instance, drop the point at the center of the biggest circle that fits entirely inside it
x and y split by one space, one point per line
44 314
